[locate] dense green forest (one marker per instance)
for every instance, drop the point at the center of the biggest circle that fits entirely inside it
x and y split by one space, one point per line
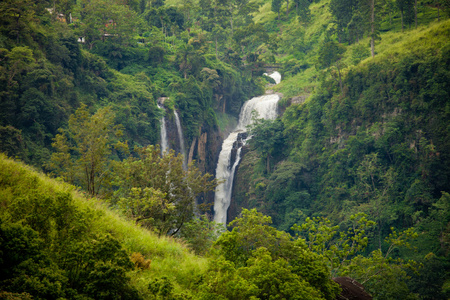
353 178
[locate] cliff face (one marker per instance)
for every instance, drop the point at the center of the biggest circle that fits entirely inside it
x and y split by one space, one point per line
172 133
246 184
205 150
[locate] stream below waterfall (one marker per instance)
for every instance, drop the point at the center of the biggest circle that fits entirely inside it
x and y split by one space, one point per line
230 155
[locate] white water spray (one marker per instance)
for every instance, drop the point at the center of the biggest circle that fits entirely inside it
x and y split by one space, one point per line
181 138
164 139
275 76
266 107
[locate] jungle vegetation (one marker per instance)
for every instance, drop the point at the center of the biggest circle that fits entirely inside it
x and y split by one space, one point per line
351 180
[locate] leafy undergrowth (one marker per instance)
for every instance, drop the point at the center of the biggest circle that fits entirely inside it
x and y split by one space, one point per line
32 199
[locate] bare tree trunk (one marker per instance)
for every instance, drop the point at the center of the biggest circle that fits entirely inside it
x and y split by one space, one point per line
401 14
18 29
415 12
217 55
340 78
231 21
379 234
224 105
372 27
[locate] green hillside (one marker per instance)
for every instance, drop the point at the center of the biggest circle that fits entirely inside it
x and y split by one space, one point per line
377 145
58 221
351 180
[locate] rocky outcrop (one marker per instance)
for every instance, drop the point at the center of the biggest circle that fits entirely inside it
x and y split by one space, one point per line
191 150
202 150
205 150
172 133
243 193
236 145
351 289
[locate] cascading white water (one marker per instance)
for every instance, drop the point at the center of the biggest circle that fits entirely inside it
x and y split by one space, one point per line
266 107
275 76
164 139
181 138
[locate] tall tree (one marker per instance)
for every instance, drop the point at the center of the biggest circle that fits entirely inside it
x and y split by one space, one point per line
16 17
267 139
83 150
372 27
218 19
65 7
405 7
105 19
342 12
287 9
276 6
415 13
302 9
241 12
330 55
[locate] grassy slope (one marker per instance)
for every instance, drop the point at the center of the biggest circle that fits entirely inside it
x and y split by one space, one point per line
169 257
391 38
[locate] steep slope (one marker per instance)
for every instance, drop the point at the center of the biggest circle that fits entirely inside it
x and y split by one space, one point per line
66 219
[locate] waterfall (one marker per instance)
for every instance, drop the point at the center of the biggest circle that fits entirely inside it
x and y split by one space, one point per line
275 76
181 139
164 139
266 108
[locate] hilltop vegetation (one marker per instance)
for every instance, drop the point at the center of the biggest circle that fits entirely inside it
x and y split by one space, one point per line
369 135
362 144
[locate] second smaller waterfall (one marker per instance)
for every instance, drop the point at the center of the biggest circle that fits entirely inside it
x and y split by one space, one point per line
164 139
181 139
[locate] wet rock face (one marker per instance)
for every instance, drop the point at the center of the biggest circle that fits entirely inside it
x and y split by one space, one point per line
205 150
236 145
351 289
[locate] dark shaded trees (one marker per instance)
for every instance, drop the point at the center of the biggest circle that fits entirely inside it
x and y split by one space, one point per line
268 139
330 55
404 6
16 18
276 6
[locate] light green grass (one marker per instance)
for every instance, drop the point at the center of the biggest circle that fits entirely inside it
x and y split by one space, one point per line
300 84
169 257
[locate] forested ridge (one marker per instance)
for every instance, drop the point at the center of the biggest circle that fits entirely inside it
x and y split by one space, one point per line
351 180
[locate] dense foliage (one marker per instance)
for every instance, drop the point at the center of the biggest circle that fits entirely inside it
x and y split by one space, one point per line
355 174
372 138
56 56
